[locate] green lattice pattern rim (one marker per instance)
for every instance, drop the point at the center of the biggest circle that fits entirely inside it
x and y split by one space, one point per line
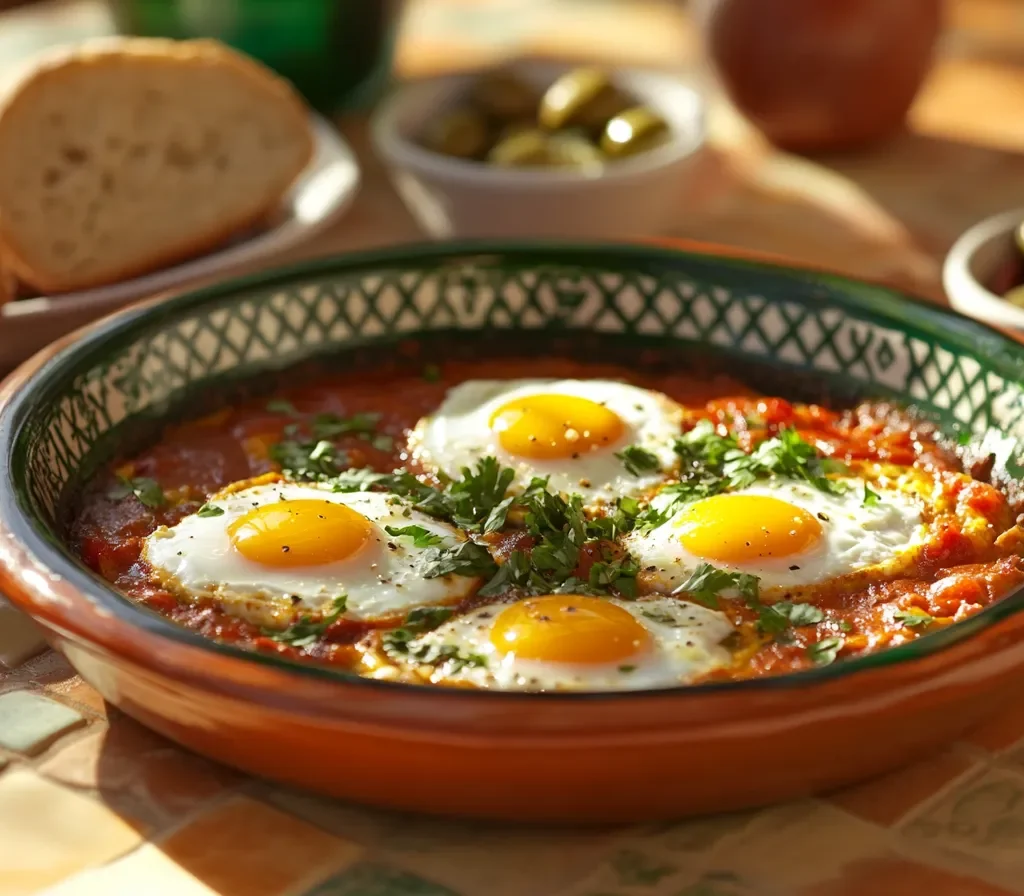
968 376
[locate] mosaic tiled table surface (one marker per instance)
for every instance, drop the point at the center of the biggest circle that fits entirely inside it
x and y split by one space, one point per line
92 803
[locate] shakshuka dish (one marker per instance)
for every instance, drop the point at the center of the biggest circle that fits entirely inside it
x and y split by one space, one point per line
531 526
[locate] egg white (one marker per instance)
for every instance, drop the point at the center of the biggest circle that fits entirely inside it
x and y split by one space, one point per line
459 434
855 536
195 558
687 644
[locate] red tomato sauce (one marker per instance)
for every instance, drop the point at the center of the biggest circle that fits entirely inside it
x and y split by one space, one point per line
955 576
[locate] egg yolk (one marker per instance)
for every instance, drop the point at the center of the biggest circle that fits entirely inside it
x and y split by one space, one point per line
306 532
741 528
569 629
555 426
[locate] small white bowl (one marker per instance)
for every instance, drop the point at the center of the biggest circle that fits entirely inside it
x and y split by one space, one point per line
454 198
976 259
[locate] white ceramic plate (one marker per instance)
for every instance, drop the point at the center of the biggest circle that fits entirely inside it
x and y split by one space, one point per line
322 193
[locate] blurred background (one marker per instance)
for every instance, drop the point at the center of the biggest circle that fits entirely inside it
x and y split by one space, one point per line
857 135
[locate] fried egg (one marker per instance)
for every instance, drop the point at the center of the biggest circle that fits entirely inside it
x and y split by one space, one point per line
787 533
271 552
565 642
566 430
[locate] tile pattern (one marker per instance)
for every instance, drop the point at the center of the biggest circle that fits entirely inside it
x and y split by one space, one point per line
147 871
49 833
244 844
104 806
366 879
20 637
29 722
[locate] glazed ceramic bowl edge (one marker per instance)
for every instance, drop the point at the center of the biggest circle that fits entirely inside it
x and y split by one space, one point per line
638 305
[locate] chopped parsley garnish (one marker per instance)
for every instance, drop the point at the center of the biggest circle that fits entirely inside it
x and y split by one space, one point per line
557 549
313 461
770 620
447 655
618 521
147 490
567 551
672 498
548 512
309 629
914 618
614 573
477 501
318 459
964 438
465 559
711 463
560 532
515 572
706 582
871 499
425 619
210 510
702 446
786 455
478 498
400 482
637 460
421 537
282 406
799 614
825 651
330 426
399 642
777 619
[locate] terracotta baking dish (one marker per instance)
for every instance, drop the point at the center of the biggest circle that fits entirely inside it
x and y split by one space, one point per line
584 757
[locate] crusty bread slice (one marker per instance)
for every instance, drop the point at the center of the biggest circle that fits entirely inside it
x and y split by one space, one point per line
127 155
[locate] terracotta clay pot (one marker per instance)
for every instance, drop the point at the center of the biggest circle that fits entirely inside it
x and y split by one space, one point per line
617 757
819 75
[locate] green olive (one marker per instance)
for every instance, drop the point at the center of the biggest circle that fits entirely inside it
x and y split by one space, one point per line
517 127
633 131
461 133
503 96
526 148
584 97
1015 296
570 150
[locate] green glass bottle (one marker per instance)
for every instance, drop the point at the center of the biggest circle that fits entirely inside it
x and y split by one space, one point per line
338 53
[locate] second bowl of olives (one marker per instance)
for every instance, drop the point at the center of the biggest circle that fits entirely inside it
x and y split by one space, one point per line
983 274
